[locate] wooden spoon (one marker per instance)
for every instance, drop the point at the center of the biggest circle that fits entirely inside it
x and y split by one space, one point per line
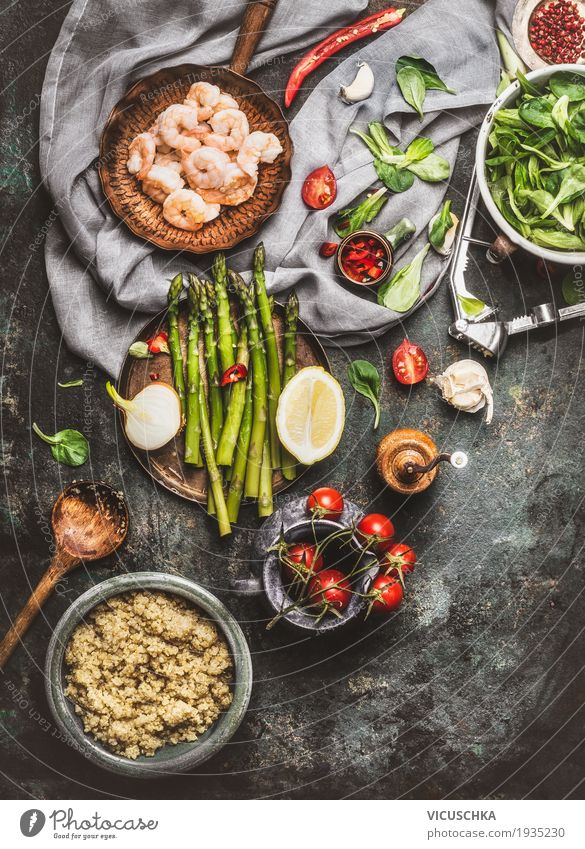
90 521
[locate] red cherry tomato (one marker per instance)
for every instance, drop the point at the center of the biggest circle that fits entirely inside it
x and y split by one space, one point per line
330 589
328 249
398 560
409 363
375 531
386 594
299 562
325 503
320 188
233 374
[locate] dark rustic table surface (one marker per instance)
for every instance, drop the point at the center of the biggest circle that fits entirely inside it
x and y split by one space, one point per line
475 689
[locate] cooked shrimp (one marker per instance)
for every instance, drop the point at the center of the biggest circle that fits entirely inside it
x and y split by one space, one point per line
160 182
204 96
142 150
258 147
174 124
161 147
237 187
188 211
205 168
230 128
226 101
170 160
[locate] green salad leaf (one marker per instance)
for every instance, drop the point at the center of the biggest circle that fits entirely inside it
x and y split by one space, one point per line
402 291
354 217
413 89
573 286
69 384
394 178
69 447
441 226
365 379
427 71
569 83
471 306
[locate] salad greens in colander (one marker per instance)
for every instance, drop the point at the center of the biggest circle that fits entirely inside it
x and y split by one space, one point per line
536 162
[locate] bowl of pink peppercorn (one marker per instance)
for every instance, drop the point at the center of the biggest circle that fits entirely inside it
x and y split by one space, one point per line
549 32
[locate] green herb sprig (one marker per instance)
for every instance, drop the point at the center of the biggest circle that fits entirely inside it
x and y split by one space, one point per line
69 447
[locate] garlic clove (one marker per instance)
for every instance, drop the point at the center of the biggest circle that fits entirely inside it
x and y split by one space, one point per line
361 87
447 245
465 385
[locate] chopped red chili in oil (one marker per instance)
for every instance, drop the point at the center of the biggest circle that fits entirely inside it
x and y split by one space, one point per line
364 259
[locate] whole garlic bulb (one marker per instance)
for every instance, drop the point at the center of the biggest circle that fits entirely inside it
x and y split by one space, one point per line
465 385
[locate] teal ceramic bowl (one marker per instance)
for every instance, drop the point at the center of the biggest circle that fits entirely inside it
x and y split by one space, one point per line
170 759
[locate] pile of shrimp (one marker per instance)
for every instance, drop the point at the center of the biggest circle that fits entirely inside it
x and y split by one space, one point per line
200 155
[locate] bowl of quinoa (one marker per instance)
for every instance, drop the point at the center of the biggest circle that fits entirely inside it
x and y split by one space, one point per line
147 674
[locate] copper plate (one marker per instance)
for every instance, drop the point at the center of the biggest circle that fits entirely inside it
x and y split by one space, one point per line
137 111
165 466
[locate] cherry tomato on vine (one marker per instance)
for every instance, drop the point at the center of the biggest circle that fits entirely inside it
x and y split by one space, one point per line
409 363
400 558
375 531
325 503
301 562
320 188
330 589
386 594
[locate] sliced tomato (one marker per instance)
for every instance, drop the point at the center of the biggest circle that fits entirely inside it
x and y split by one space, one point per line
409 363
320 188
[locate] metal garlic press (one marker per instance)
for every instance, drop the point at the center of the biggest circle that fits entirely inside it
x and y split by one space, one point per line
490 337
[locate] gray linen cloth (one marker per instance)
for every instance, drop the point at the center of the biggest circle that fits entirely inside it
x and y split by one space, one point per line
104 280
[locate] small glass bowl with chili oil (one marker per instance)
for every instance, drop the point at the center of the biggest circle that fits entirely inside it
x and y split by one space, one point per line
364 258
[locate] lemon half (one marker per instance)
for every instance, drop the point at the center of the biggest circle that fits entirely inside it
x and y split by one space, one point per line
311 415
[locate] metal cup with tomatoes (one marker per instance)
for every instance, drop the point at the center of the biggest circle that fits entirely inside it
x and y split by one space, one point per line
365 258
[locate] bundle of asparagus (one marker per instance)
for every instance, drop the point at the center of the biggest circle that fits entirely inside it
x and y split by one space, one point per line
231 429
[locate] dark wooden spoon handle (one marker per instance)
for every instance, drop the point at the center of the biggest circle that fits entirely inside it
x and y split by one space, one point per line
254 23
59 566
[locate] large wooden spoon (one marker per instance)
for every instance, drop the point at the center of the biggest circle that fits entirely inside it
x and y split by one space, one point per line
90 521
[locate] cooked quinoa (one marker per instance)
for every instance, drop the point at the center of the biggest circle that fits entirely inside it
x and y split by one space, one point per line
147 669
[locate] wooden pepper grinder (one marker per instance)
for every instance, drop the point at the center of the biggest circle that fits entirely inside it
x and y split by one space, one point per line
408 460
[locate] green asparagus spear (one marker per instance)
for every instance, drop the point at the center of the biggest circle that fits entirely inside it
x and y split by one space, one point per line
291 317
236 488
265 505
226 335
259 386
193 427
175 290
273 365
205 290
214 476
235 411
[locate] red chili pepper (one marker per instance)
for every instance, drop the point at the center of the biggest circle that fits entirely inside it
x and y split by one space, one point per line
154 375
371 25
234 374
328 249
375 272
158 344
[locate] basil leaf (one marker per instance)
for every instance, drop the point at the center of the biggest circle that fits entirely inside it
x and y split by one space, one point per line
433 169
71 383
573 286
353 218
537 112
568 83
365 379
69 447
471 306
402 291
427 71
395 179
139 350
441 226
412 87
